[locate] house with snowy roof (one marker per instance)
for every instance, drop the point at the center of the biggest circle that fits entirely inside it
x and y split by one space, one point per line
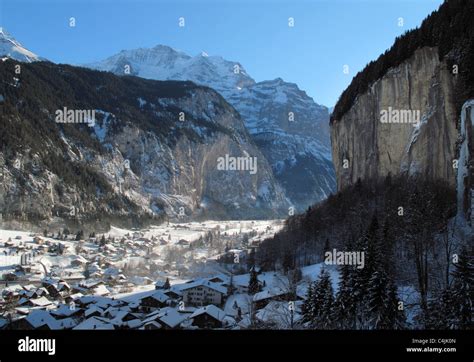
203 292
264 297
156 299
166 318
208 317
42 319
95 323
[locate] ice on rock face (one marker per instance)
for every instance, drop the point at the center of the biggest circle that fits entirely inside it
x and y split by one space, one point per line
464 157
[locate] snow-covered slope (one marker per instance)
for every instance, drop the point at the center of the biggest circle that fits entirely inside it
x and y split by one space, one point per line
11 48
165 63
290 129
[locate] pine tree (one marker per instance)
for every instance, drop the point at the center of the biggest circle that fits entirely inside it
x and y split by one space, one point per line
231 287
254 286
323 301
167 284
396 318
367 244
463 276
441 311
381 297
307 308
345 302
251 259
79 235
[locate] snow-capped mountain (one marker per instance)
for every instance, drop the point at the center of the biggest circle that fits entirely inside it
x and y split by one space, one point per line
165 63
290 129
11 48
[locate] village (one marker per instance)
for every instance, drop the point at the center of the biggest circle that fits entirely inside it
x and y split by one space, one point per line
173 276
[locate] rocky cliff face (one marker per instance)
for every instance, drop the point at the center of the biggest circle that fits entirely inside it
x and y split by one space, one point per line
152 149
365 144
292 132
287 126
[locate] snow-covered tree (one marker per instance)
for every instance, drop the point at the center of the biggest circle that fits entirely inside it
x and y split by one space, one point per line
345 302
463 276
318 311
307 308
254 286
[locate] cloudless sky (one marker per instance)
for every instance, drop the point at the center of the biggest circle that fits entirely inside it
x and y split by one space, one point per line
327 34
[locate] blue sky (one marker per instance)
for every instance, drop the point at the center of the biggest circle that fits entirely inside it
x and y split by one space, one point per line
327 34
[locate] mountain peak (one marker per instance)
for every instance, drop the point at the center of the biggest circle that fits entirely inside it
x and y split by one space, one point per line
11 48
165 48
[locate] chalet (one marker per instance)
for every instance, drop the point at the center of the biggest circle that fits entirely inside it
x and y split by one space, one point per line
100 289
93 311
156 300
183 242
72 297
35 302
95 323
203 292
208 317
51 286
264 297
30 291
63 286
42 319
78 261
167 318
123 318
152 324
66 311
173 293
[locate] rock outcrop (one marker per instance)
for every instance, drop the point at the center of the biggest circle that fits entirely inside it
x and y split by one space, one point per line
365 145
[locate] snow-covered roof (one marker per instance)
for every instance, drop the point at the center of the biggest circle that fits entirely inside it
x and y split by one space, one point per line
95 323
204 283
91 283
154 323
79 258
211 310
93 309
40 302
160 296
268 293
40 317
169 316
101 290
100 301
64 310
